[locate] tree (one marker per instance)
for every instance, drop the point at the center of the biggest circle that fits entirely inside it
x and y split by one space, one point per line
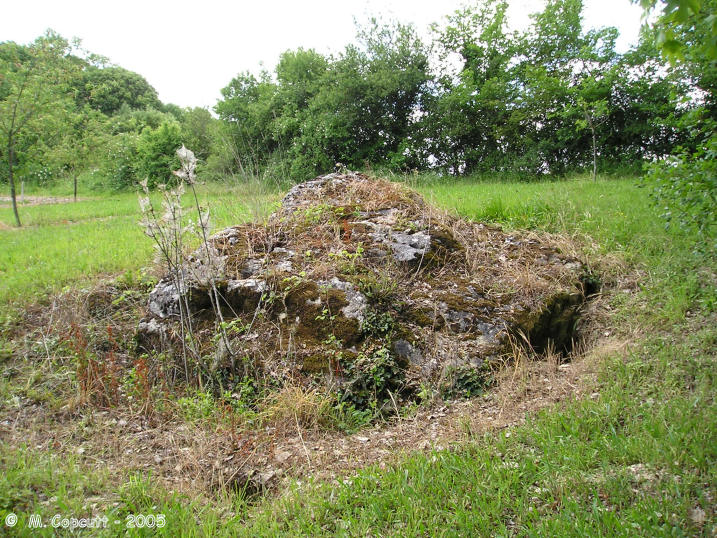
685 184
366 105
197 131
467 126
80 145
594 114
107 89
33 92
680 18
248 108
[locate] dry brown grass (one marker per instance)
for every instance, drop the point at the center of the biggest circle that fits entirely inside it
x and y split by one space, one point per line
295 406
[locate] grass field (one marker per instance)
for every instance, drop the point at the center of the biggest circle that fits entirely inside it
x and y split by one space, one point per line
68 243
638 457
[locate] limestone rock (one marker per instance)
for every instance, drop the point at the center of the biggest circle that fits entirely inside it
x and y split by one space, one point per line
351 267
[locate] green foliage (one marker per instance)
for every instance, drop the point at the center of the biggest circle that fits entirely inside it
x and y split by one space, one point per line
119 167
197 406
197 131
347 418
34 102
376 323
685 190
356 108
375 379
679 17
465 381
553 98
156 154
379 288
108 89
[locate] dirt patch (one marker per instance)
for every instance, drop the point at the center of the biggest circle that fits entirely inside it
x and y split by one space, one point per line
192 458
6 201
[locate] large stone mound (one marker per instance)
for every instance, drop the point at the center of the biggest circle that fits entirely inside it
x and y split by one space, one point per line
354 277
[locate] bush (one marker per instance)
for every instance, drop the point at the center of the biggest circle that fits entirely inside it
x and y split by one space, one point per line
156 153
685 189
119 168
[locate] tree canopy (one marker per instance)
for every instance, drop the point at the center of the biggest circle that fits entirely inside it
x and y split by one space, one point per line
473 98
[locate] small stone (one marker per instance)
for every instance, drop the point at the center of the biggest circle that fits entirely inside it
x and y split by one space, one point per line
281 457
697 516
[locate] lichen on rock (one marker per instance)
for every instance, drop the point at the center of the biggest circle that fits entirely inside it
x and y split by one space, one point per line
352 269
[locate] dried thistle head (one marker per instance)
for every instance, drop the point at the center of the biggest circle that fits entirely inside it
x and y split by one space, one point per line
188 165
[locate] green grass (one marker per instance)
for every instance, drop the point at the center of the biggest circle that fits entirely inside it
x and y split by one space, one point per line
61 244
638 458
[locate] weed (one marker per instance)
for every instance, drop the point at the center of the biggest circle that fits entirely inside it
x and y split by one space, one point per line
372 379
349 419
198 406
96 377
347 262
379 324
295 406
465 381
379 288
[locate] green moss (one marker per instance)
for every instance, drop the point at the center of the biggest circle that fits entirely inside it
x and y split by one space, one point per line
319 313
316 363
347 330
298 295
443 246
424 317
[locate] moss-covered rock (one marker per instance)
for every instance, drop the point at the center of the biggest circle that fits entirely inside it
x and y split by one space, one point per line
355 277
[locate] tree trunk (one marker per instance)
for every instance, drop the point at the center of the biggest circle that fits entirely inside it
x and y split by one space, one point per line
591 124
10 154
594 156
74 175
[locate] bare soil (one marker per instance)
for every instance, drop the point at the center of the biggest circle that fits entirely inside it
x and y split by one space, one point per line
6 201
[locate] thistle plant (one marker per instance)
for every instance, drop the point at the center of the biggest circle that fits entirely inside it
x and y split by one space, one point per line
208 272
168 232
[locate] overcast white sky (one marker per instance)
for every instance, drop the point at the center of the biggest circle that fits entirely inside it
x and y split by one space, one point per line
190 50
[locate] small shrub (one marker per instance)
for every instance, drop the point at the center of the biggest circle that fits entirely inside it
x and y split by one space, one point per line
198 406
348 419
119 168
374 380
465 381
377 323
684 189
156 154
